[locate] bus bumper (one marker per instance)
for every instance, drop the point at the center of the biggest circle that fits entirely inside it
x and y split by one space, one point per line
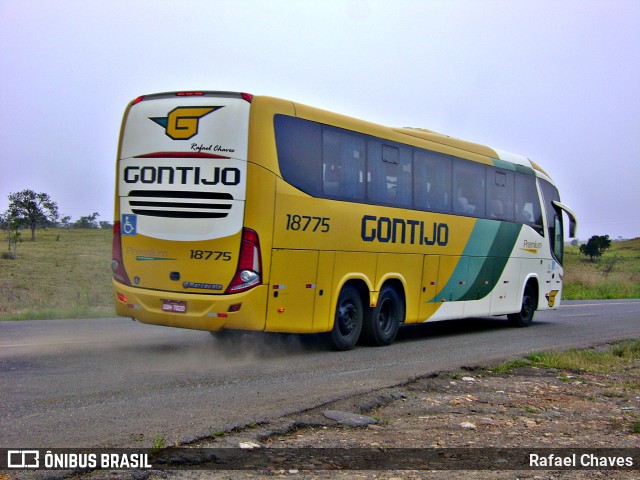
240 311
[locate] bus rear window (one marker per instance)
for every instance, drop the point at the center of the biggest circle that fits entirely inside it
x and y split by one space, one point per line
299 145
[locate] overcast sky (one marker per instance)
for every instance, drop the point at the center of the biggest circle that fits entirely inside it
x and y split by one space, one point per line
556 81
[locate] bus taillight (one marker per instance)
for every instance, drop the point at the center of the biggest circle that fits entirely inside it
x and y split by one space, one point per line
117 266
249 272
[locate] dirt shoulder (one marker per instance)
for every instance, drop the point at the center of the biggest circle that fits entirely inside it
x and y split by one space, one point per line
472 408
529 407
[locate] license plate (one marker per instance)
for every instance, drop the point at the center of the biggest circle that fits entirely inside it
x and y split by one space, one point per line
174 306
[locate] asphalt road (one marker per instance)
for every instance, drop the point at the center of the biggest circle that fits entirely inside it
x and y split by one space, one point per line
114 382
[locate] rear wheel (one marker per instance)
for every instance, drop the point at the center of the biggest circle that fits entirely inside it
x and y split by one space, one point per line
524 317
382 322
347 324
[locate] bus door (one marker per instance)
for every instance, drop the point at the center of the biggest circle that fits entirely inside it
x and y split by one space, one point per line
430 268
452 284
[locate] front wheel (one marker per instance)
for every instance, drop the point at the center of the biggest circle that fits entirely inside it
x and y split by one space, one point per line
347 324
524 317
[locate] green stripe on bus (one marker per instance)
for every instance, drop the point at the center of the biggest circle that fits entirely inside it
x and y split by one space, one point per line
493 264
485 258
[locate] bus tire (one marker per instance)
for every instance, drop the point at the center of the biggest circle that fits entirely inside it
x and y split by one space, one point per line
381 323
347 323
524 317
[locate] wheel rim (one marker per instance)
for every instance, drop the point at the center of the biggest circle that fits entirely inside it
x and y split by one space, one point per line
347 317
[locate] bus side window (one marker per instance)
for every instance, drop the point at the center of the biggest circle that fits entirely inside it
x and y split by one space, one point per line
500 192
469 188
558 237
299 144
527 205
554 219
388 173
431 181
343 164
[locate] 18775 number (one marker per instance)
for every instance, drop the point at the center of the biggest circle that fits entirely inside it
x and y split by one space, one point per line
304 223
210 255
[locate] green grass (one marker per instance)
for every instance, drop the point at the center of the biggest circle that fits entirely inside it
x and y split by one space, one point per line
63 274
614 275
616 358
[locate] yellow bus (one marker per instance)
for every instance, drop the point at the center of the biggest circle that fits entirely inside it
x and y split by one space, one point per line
242 212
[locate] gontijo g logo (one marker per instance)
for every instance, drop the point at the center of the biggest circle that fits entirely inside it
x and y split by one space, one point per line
182 122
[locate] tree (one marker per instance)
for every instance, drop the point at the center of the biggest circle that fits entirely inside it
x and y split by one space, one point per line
596 246
88 222
14 237
65 222
604 243
32 210
11 226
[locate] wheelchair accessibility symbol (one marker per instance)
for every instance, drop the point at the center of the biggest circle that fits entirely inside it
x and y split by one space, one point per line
129 225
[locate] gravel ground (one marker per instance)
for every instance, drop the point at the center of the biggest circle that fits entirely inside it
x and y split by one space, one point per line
473 408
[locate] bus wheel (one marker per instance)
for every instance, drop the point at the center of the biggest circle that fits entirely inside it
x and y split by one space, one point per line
382 322
524 317
347 324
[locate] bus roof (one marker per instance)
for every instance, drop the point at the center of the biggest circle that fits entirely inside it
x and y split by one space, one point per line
474 147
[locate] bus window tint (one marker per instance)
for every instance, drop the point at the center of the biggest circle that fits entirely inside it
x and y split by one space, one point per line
500 194
343 167
527 205
558 237
468 188
431 181
330 162
554 218
389 173
299 144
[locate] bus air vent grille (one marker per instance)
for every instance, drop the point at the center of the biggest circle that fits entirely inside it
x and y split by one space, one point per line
177 204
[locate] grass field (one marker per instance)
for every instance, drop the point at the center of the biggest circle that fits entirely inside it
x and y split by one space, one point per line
66 274
614 358
63 274
614 275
